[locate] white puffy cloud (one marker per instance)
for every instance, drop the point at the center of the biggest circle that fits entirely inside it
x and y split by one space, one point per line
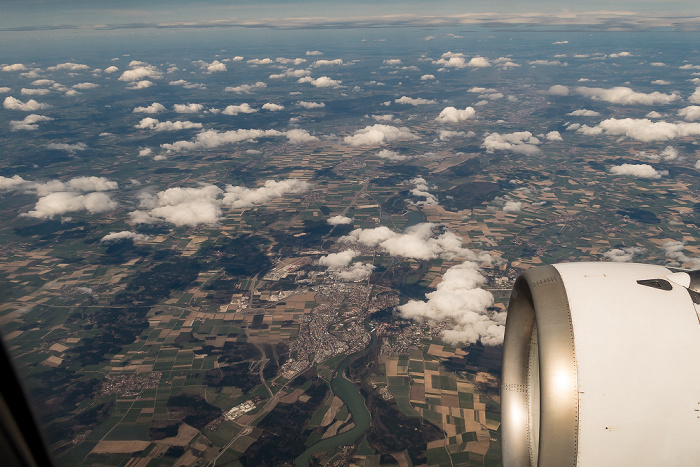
337 220
668 154
338 260
356 272
421 190
383 117
188 108
312 105
290 74
478 62
140 84
31 105
392 61
151 109
558 90
145 152
14 67
638 171
690 113
446 135
695 97
150 123
69 66
12 183
626 96
180 206
379 134
521 142
212 138
414 101
321 82
459 299
642 129
457 60
34 92
212 67
512 206
83 86
391 155
292 61
554 136
67 146
427 77
623 255
246 88
4 89
141 73
620 54
111 69
187 84
114 237
661 82
334 62
29 122
58 203
584 113
454 115
674 252
242 197
653 114
418 241
260 61
545 62
239 109
313 52
272 107
298 136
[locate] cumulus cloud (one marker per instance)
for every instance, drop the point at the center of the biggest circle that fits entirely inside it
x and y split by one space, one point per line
29 122
67 147
272 107
34 92
623 255
111 69
212 67
459 299
211 138
180 206
313 52
140 84
446 135
626 96
150 123
695 97
583 113
246 88
512 206
454 115
151 109
141 72
414 101
421 190
620 54
668 154
69 66
356 272
239 109
334 62
31 105
124 235
14 67
478 62
59 203
379 134
427 77
290 74
638 171
312 105
338 260
187 84
419 241
554 136
391 155
558 90
84 86
188 108
339 220
520 142
242 197
690 113
321 82
545 62
674 253
642 129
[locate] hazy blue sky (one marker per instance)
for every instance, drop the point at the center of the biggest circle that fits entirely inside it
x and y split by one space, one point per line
24 13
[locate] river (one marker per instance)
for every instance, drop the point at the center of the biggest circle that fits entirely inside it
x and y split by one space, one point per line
352 398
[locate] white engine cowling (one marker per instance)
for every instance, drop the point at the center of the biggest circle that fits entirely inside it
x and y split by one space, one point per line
601 367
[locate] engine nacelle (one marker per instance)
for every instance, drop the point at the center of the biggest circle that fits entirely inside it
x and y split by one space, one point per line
601 367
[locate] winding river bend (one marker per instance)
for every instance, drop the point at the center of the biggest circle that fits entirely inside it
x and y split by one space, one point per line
349 394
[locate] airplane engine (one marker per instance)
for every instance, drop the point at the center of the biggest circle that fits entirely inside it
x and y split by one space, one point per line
601 367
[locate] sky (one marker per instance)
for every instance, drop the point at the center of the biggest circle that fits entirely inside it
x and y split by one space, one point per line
131 13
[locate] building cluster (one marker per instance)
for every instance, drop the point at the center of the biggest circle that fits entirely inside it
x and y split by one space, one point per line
130 384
